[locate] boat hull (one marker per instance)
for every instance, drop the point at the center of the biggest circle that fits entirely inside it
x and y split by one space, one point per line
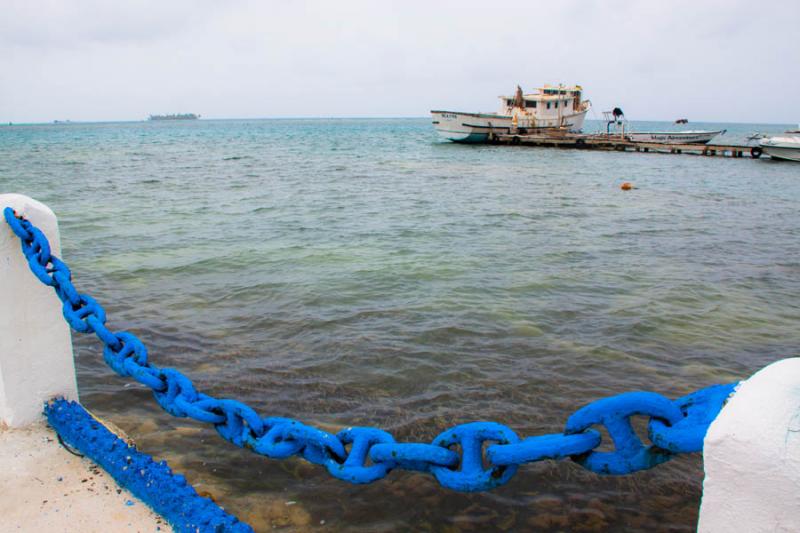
786 147
463 127
673 137
469 127
781 152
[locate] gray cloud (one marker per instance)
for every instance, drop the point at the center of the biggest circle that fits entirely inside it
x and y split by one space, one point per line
92 60
46 24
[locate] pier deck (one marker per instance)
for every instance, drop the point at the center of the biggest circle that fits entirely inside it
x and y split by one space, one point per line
618 143
45 488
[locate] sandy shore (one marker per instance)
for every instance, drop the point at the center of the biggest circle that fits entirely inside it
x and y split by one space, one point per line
46 488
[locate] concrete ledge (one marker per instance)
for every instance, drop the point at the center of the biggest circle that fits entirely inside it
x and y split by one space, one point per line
45 488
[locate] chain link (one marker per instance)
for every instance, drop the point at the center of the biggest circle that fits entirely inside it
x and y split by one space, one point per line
674 426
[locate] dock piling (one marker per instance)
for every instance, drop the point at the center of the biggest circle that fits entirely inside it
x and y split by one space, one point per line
36 360
751 456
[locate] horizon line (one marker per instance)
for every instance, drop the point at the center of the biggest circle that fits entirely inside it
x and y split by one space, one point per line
330 117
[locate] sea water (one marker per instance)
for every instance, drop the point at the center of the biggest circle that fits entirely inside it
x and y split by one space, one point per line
363 272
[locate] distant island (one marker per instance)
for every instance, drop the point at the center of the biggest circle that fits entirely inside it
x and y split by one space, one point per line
179 116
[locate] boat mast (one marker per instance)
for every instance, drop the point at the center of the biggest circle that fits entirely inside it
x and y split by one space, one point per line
519 102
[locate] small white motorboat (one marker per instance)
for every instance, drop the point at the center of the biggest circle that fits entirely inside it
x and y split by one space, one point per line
785 147
674 137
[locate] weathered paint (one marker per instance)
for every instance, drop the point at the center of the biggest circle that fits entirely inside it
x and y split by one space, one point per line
152 482
752 456
36 360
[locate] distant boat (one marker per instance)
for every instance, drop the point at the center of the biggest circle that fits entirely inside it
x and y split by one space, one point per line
674 137
621 126
682 121
758 135
547 109
785 147
179 116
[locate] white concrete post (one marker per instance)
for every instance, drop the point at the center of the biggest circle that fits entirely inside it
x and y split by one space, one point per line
36 360
752 456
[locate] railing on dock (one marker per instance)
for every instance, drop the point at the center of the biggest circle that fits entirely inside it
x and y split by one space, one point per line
751 447
366 454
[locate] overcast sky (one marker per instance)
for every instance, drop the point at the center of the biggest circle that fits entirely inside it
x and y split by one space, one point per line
733 61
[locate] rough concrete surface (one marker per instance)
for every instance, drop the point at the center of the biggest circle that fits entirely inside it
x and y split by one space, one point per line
751 456
46 488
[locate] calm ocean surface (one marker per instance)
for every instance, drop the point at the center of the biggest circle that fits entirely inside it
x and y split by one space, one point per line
361 272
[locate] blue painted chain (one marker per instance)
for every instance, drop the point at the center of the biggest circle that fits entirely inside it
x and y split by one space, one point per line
364 454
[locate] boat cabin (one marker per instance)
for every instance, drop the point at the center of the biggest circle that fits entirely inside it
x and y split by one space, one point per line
547 102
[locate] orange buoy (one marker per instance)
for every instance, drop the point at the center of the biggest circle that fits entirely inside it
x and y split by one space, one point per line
626 186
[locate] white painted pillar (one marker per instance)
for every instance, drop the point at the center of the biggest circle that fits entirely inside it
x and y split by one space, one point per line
36 360
752 456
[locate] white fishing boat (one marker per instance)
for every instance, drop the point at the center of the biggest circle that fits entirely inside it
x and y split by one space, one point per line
785 147
549 108
674 137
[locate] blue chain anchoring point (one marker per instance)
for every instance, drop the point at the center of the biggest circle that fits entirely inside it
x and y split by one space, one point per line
675 426
699 409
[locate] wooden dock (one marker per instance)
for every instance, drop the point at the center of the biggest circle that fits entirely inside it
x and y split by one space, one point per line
621 144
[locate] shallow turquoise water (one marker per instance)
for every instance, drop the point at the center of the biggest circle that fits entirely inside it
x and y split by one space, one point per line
360 272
